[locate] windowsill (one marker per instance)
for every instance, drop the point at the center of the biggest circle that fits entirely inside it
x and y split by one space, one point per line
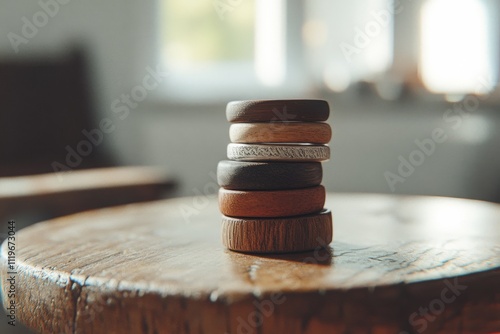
219 86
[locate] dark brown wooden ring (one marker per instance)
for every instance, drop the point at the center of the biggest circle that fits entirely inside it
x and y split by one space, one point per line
277 111
273 203
278 235
274 152
241 175
282 132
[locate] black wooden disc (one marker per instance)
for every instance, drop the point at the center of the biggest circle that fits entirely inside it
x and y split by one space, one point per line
240 175
277 111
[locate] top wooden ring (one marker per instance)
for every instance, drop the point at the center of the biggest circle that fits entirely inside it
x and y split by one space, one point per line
277 111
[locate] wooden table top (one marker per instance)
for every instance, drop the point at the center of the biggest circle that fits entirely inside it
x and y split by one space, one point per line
396 265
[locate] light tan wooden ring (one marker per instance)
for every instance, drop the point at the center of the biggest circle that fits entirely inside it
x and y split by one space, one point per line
261 152
278 235
285 132
274 203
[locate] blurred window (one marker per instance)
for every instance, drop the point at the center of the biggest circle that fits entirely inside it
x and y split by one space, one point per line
348 41
456 53
256 48
200 33
234 47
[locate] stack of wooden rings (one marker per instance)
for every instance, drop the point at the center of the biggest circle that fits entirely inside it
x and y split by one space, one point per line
271 195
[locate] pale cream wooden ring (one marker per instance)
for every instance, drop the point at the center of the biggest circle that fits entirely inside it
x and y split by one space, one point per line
254 152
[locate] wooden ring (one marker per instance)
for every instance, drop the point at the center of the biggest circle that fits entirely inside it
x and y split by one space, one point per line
274 203
240 175
279 235
277 111
286 132
261 152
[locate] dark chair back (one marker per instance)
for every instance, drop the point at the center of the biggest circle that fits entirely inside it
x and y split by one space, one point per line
44 106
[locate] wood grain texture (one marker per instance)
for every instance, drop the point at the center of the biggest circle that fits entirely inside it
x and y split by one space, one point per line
278 235
152 268
242 175
277 111
286 132
261 152
272 203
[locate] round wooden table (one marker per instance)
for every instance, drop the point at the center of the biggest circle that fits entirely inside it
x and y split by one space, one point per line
397 265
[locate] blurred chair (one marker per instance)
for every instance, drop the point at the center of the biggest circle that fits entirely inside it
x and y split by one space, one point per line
45 104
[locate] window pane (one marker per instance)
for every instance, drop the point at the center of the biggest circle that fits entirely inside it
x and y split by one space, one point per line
456 56
198 32
348 41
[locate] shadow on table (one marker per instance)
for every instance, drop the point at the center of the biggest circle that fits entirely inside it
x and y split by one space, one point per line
322 256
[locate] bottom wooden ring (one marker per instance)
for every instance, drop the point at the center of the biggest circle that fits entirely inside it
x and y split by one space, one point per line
278 235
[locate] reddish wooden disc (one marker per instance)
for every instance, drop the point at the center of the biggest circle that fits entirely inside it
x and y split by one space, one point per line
273 203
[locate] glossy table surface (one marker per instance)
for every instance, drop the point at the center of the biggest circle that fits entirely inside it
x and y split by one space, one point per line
396 265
